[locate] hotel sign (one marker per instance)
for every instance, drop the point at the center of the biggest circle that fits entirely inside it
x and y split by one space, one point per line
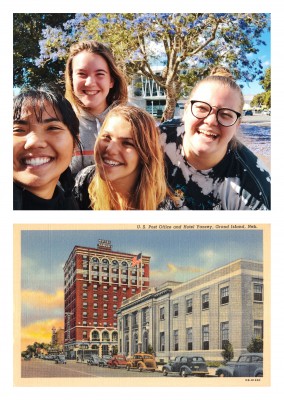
106 244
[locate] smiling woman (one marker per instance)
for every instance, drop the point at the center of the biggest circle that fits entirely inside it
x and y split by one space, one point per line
129 172
206 164
45 132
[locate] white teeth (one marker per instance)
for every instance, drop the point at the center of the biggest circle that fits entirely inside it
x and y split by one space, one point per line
90 93
37 161
208 133
112 163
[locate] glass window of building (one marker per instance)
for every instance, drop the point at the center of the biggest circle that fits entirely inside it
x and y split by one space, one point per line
189 338
162 313
176 340
205 301
257 292
189 306
162 341
224 334
258 329
224 295
175 309
205 337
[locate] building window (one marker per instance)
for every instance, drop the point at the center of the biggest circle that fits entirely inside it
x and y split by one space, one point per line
258 328
95 305
189 338
224 295
114 298
105 305
126 321
162 341
114 324
85 276
95 296
85 314
105 323
84 335
205 337
95 287
85 295
115 288
105 315
115 306
105 296
188 306
124 289
105 287
162 313
95 314
85 305
133 290
84 322
85 286
257 292
224 334
205 301
175 309
124 298
176 340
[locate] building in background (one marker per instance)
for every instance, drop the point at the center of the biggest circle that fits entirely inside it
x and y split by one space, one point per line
198 316
96 281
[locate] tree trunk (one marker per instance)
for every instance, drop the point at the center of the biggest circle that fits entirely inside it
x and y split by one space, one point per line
171 100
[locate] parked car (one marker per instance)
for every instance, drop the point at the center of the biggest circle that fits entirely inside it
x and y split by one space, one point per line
186 365
96 360
142 362
266 112
248 112
60 359
250 364
116 361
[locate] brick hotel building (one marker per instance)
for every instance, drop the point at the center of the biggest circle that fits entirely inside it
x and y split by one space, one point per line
96 281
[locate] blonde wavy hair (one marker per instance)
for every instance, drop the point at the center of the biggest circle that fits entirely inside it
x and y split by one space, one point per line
117 94
151 187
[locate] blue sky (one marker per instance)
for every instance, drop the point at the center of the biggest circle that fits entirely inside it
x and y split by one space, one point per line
264 55
191 252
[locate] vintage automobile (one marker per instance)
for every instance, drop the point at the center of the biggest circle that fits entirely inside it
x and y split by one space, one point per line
142 362
116 361
96 360
186 366
60 359
250 364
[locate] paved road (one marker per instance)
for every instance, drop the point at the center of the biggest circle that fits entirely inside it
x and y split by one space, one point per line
263 120
37 368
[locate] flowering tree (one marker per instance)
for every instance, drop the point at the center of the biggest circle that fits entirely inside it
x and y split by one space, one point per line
188 45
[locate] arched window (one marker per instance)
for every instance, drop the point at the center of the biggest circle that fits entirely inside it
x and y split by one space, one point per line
96 336
105 336
114 336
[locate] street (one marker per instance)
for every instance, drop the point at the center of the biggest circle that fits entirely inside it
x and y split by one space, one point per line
37 368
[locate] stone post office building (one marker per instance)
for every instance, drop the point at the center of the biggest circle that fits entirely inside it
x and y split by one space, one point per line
197 316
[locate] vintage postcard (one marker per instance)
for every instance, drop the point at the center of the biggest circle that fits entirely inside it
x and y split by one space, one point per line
142 305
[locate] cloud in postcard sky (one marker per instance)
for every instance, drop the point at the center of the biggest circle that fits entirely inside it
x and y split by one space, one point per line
38 305
39 331
44 253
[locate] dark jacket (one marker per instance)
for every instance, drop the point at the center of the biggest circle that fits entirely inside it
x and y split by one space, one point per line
25 200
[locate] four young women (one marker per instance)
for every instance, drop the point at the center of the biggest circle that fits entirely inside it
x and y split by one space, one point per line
206 166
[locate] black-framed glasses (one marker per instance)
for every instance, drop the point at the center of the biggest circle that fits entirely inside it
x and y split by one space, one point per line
225 116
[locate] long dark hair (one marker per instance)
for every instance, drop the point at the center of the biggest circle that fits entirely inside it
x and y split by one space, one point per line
36 99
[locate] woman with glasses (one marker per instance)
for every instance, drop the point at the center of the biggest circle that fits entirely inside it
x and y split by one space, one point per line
206 164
